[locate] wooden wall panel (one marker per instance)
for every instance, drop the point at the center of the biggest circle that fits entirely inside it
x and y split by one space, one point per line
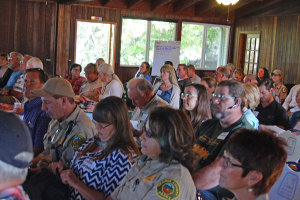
29 27
279 43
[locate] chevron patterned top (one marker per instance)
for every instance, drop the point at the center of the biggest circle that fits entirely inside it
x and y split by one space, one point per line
102 175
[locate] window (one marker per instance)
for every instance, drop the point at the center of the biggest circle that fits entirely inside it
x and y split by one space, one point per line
204 45
94 40
139 36
251 54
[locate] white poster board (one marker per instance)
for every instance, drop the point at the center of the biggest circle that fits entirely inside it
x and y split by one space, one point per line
163 51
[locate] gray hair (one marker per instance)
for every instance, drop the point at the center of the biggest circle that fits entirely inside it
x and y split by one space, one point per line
19 56
9 172
34 62
142 85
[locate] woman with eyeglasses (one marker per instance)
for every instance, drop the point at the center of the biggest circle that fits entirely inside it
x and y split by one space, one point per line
197 104
167 141
144 71
251 164
100 164
168 88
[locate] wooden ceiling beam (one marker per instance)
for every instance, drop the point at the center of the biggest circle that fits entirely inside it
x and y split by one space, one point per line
203 7
254 7
104 2
73 1
131 3
239 4
283 8
155 4
183 4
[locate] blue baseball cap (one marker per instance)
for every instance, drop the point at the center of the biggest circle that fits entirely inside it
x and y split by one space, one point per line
15 140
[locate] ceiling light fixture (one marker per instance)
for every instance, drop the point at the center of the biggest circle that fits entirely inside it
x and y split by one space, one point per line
227 3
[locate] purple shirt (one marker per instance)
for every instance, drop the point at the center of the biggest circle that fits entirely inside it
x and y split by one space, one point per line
37 121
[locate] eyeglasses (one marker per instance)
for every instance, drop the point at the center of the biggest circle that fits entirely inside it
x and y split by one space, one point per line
187 95
148 133
228 163
100 125
221 97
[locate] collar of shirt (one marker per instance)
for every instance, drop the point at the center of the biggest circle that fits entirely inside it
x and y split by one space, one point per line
30 105
72 117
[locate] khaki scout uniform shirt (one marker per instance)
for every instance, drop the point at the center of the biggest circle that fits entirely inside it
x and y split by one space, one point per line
155 180
61 147
280 92
141 115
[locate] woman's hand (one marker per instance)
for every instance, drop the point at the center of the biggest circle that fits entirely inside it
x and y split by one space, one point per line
56 166
68 177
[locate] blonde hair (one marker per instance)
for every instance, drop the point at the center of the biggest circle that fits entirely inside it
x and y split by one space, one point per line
170 69
251 95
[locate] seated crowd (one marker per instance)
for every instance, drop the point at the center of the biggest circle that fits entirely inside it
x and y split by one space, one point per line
186 138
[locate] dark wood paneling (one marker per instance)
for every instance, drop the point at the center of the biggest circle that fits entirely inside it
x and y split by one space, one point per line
279 43
29 28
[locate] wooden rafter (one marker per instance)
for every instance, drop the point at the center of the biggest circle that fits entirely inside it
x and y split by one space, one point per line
254 7
73 1
103 2
240 3
183 4
204 6
131 3
155 4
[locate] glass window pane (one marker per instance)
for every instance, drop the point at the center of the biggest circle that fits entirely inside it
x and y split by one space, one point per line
92 42
134 38
245 68
160 31
253 44
248 43
256 57
251 56
213 40
257 44
250 68
247 56
191 44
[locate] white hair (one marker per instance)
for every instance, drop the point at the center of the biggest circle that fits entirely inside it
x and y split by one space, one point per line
19 56
34 62
9 172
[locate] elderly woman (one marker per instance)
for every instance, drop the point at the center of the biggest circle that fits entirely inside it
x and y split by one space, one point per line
90 89
196 103
144 71
168 141
251 101
101 163
251 164
74 77
168 88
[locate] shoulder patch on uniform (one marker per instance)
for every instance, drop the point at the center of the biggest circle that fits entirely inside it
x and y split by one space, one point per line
284 89
168 189
76 141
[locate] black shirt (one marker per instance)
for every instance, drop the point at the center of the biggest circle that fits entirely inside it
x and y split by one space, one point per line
273 114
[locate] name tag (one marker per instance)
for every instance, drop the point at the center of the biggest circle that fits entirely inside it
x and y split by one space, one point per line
88 164
144 117
159 92
223 135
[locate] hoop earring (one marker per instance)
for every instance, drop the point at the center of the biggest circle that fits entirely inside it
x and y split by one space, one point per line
250 189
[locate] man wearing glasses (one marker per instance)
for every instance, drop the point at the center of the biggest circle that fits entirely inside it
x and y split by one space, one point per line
214 133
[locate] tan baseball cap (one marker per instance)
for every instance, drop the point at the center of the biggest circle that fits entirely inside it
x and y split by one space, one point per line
277 72
55 86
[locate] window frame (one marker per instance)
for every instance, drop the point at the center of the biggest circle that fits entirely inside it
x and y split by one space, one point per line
149 20
204 43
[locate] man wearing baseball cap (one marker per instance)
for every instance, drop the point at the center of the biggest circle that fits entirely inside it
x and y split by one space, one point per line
15 156
279 89
69 128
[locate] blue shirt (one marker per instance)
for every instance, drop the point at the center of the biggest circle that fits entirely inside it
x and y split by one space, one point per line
37 121
13 79
251 118
165 95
